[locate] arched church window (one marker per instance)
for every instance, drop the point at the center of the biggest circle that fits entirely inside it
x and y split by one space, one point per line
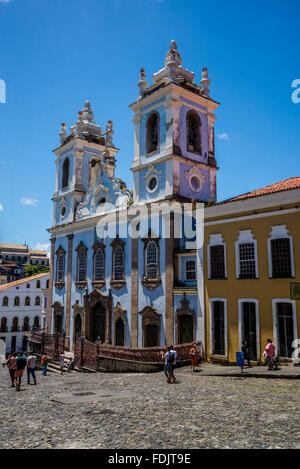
118 263
65 173
27 301
60 268
38 283
81 263
99 265
152 131
17 301
194 133
151 260
5 301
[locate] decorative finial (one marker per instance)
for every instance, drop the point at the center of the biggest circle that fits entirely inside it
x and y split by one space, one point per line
173 60
63 133
205 82
142 83
109 135
87 113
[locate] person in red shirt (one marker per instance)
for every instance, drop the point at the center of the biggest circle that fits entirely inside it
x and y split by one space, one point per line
11 364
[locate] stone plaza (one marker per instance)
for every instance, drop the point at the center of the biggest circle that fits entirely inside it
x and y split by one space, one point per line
140 411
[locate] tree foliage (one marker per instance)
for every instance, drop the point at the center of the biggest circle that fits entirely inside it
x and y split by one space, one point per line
35 269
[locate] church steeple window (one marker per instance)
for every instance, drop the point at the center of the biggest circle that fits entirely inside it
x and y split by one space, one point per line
152 127
194 134
65 173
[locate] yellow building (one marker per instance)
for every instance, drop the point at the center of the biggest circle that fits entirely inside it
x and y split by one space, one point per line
251 257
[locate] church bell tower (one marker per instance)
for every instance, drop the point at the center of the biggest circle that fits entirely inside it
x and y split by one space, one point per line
174 153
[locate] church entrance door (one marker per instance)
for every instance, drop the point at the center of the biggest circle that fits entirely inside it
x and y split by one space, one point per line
98 323
185 329
78 325
120 332
151 335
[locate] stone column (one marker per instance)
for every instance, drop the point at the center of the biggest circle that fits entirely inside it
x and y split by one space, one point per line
108 319
86 317
169 283
51 281
134 292
69 285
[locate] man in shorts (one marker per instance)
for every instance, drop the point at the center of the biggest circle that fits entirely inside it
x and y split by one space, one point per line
31 361
21 364
170 362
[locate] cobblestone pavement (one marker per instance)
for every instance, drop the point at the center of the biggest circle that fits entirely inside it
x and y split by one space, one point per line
196 412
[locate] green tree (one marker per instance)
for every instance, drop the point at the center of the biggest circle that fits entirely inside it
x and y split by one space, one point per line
35 269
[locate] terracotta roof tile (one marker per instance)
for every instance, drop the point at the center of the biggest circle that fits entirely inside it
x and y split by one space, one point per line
23 280
287 184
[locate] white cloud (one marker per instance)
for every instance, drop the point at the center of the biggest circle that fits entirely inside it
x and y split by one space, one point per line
29 201
42 247
1 207
5 1
223 136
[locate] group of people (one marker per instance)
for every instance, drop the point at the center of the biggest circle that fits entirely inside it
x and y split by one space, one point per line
17 363
170 356
269 354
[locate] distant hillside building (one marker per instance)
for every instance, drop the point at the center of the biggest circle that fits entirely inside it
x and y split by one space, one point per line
21 254
10 271
13 258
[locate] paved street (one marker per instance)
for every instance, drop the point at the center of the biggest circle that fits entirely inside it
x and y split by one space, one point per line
142 411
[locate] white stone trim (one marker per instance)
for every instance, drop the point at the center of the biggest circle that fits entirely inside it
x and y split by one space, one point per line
216 240
245 236
211 329
249 300
275 323
280 231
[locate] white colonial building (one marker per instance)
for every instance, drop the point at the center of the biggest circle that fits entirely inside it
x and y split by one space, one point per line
23 306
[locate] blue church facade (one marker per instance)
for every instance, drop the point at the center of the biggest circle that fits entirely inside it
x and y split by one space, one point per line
126 264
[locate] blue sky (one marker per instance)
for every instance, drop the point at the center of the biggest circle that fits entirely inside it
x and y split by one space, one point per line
55 54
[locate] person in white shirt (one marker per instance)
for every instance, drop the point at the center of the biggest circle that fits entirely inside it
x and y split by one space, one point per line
31 361
170 362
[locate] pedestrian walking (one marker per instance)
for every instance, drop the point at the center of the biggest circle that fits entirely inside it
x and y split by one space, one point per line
44 363
170 362
246 352
194 357
21 364
270 352
31 361
11 364
62 363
